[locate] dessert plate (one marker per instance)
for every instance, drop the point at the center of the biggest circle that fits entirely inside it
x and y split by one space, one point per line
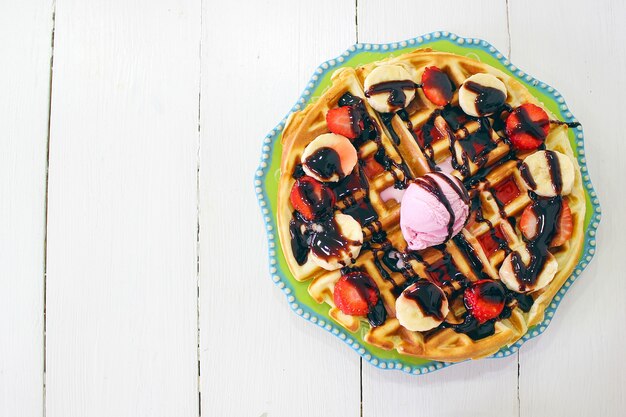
268 174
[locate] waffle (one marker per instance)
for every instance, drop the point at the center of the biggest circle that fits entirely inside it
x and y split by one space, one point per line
498 196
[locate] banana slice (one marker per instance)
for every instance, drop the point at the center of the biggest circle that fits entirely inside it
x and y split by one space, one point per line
482 95
422 306
337 242
329 158
544 277
389 88
548 173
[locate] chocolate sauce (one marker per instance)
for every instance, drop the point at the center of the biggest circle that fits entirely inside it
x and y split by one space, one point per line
377 314
568 124
478 145
555 171
455 117
321 205
327 242
350 184
428 297
298 172
362 211
524 301
397 96
386 118
299 245
527 176
470 254
547 211
362 124
325 162
488 99
473 328
535 128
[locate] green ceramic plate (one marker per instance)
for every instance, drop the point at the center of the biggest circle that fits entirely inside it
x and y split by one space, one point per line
268 174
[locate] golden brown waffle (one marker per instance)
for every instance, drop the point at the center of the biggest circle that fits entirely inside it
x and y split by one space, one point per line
474 253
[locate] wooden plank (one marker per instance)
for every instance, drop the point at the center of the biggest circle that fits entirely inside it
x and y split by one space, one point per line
257 357
576 368
25 42
122 223
469 388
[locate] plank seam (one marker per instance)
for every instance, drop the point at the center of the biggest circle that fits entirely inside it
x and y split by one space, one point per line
199 383
508 28
45 238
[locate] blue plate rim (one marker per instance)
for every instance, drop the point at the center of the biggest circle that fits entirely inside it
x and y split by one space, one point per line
278 276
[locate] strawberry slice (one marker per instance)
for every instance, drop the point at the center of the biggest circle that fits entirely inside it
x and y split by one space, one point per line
344 121
311 198
355 293
437 86
527 126
564 227
484 299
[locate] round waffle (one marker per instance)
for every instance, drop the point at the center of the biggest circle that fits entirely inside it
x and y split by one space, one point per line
490 178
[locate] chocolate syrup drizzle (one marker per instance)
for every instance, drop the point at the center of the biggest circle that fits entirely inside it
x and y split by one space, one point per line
547 211
428 296
397 96
325 162
363 283
488 99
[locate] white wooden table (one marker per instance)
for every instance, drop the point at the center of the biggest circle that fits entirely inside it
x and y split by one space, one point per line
133 269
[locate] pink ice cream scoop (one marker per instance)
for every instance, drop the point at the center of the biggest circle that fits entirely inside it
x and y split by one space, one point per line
434 208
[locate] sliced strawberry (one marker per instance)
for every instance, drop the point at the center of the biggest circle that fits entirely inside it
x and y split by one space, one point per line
564 227
344 121
437 86
355 293
528 223
527 126
311 198
484 299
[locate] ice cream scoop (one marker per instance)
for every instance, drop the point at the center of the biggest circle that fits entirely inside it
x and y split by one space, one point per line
434 208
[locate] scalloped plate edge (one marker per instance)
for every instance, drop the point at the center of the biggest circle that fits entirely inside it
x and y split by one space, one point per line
282 282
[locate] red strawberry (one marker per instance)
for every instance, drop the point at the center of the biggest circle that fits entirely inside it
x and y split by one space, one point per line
437 86
527 126
484 299
311 198
355 293
564 227
344 121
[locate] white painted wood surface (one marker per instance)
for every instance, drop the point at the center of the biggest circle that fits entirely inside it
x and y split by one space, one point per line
577 367
156 253
257 357
25 42
122 210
